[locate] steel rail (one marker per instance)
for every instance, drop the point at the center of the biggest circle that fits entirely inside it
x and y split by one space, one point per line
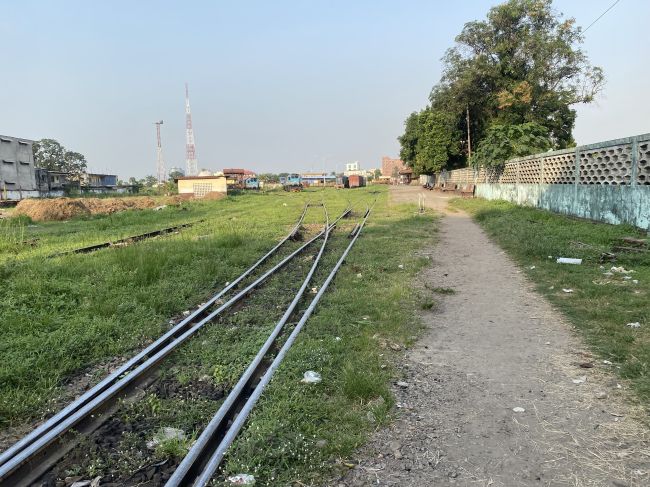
186 474
38 439
151 348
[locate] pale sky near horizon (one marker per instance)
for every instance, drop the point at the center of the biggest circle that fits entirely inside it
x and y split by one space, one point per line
274 86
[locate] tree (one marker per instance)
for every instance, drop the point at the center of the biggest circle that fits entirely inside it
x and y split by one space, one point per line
430 140
377 173
175 174
503 142
51 155
522 64
149 181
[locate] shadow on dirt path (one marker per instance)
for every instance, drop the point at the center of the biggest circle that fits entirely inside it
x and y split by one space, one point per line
494 346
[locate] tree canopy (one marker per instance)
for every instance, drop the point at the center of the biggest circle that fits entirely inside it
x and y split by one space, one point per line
521 67
50 154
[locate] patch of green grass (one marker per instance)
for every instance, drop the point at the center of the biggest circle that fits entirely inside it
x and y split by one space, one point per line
70 313
601 305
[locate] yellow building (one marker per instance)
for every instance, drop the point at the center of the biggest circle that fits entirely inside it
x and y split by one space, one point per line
200 186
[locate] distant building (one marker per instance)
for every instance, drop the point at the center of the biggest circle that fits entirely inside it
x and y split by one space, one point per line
202 186
391 167
17 171
354 169
352 166
235 177
318 179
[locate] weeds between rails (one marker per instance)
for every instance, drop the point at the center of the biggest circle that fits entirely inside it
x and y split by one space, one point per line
70 416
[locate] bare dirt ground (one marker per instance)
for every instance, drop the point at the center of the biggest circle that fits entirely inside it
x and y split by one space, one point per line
492 346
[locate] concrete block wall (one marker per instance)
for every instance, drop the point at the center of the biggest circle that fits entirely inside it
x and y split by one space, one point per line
608 181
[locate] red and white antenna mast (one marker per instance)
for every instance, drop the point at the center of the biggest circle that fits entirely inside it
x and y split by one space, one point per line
160 163
190 150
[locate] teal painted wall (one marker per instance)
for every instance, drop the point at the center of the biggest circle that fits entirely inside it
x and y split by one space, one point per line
607 203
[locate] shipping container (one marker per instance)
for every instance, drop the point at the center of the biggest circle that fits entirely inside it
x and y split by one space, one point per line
356 181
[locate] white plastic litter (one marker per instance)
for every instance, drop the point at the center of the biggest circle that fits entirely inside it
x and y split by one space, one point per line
621 270
607 362
243 478
518 409
402 384
359 276
568 260
311 377
338 339
635 281
580 380
284 204
532 267
567 290
186 313
161 207
165 434
627 278
636 324
401 266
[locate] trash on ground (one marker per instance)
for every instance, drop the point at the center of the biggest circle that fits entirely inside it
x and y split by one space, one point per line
635 281
243 478
607 362
161 207
636 324
567 290
621 270
531 267
165 434
627 278
580 380
402 384
568 260
186 313
284 204
359 276
401 266
338 339
518 409
314 290
311 377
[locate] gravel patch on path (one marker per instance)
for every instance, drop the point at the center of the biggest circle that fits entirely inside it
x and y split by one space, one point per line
499 391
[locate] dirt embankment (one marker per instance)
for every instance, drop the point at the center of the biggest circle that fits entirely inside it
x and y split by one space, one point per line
66 208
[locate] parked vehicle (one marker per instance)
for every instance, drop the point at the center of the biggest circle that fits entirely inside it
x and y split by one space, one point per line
356 181
251 183
293 182
342 182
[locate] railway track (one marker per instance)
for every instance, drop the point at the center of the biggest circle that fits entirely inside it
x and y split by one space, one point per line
33 455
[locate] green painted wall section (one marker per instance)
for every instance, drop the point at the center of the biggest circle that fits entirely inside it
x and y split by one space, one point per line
606 203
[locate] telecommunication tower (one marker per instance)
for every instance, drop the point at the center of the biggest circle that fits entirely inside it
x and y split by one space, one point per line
160 163
190 150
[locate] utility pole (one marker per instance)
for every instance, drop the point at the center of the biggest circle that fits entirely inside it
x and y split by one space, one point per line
191 163
469 139
160 163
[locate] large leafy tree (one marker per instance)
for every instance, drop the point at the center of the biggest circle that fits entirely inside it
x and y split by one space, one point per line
430 140
502 142
50 154
522 65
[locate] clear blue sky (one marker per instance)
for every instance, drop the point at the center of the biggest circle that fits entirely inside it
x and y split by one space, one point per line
274 85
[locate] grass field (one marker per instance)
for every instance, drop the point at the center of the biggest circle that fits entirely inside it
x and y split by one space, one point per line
66 317
601 304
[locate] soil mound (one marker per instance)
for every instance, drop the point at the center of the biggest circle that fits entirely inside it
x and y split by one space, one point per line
66 208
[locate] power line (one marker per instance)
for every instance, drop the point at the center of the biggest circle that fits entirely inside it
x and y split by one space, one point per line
601 16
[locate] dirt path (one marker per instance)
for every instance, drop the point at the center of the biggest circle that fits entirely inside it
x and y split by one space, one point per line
492 346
